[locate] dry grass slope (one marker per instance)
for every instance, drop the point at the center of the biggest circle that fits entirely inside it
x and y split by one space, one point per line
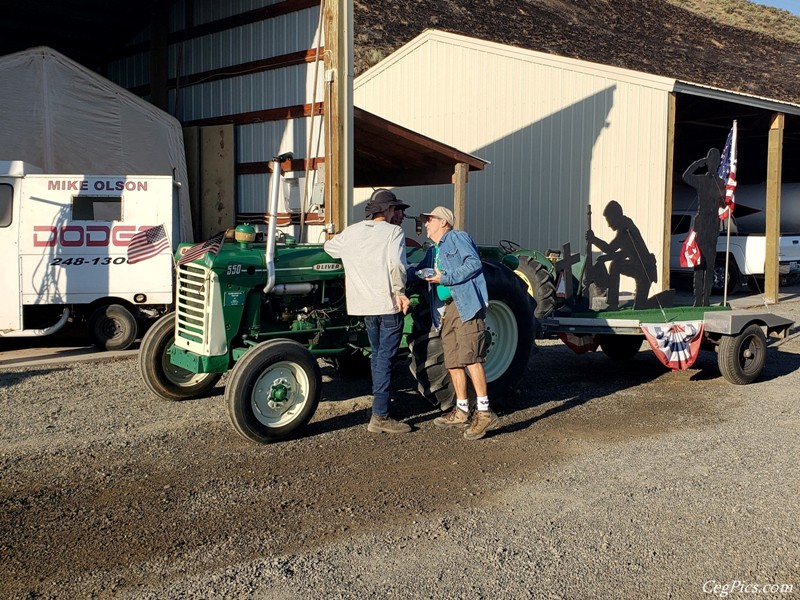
768 20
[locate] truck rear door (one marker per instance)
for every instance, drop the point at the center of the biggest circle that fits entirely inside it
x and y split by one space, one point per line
10 305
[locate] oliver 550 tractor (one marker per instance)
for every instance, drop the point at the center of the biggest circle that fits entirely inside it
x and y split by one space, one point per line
267 311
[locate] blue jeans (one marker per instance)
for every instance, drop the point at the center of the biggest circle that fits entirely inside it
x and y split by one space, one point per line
384 333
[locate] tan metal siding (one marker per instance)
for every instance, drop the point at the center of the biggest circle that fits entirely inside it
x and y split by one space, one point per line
559 134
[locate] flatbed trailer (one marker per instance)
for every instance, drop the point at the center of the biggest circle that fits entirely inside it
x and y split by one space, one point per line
738 337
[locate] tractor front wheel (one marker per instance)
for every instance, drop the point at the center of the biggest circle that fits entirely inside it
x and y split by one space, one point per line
273 391
164 379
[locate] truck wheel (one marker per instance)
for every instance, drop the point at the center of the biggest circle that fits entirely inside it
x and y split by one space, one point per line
112 327
164 379
273 391
620 347
755 284
741 357
541 286
718 284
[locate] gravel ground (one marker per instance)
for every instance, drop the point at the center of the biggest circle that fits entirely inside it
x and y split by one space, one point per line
605 480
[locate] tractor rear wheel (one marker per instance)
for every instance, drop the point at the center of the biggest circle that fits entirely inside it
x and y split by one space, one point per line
164 379
510 323
541 286
509 331
427 366
273 391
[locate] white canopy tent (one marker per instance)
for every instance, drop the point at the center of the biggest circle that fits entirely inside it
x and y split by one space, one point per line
64 118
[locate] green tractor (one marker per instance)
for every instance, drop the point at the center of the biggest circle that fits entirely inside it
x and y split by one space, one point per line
266 311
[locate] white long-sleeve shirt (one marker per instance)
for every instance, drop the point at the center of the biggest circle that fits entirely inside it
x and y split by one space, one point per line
374 258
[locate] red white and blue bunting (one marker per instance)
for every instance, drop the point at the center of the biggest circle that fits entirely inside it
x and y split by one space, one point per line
579 343
675 344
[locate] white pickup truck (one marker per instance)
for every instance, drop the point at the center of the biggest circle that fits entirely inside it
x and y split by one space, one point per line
747 255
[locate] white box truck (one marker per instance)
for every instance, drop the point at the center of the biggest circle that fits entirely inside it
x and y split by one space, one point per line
65 242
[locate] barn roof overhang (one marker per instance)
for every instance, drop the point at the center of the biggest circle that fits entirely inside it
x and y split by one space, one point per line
705 91
389 155
704 114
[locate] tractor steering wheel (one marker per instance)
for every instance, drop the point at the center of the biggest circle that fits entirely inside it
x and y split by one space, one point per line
509 247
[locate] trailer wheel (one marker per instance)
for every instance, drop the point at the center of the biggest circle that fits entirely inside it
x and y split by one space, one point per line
620 347
112 327
741 357
164 379
541 286
273 391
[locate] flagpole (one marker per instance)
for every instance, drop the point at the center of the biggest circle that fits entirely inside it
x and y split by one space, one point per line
171 250
730 217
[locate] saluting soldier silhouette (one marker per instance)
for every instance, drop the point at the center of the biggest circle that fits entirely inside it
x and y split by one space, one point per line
710 198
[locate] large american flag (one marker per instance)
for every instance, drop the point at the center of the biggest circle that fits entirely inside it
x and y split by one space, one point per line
147 243
727 171
211 245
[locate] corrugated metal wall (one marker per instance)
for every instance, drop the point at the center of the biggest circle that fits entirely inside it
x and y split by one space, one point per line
294 85
559 134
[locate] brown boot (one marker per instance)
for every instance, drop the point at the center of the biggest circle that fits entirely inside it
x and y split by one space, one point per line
387 425
482 421
455 418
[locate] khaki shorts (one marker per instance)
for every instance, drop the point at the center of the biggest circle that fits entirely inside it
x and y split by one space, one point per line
464 343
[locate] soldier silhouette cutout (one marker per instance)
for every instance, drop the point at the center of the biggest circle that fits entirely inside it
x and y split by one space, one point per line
626 254
710 198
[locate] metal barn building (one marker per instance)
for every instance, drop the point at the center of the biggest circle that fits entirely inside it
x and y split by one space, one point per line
561 134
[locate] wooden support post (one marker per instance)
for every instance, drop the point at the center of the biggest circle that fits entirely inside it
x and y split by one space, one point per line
338 117
773 207
665 243
460 177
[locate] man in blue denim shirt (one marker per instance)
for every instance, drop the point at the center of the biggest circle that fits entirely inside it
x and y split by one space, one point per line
459 299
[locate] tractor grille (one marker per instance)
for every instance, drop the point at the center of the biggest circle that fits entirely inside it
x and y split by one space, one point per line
192 309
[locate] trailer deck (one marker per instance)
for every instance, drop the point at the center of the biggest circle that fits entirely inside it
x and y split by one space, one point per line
738 336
